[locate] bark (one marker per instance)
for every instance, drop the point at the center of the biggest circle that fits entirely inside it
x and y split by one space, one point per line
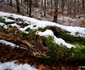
56 11
62 6
30 8
75 8
45 8
27 6
18 7
10 2
83 7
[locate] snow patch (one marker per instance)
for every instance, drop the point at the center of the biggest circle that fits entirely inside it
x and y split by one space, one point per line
76 31
13 66
2 24
58 41
9 20
8 43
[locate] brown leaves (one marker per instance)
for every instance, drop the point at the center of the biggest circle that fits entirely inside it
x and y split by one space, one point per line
36 46
42 67
27 43
8 53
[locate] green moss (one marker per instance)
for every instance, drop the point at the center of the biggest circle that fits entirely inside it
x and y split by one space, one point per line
12 30
49 41
79 42
71 39
56 52
42 29
32 32
51 51
11 18
27 29
79 52
3 29
24 35
22 24
63 52
34 25
9 23
2 20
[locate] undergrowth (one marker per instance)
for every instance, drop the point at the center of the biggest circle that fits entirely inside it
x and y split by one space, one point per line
72 39
49 41
2 20
22 24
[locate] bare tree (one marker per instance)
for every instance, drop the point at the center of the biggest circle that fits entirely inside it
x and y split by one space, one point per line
56 11
45 4
21 2
74 8
83 7
30 8
18 7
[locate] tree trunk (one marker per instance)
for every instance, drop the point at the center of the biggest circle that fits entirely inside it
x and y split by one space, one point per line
27 6
30 8
21 2
56 11
45 8
62 6
51 5
18 8
10 2
82 4
74 8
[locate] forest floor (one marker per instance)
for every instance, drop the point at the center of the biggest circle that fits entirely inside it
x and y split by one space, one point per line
7 8
7 53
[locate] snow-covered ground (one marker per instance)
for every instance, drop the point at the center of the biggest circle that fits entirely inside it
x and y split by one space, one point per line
41 24
35 24
13 66
65 20
8 43
59 41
